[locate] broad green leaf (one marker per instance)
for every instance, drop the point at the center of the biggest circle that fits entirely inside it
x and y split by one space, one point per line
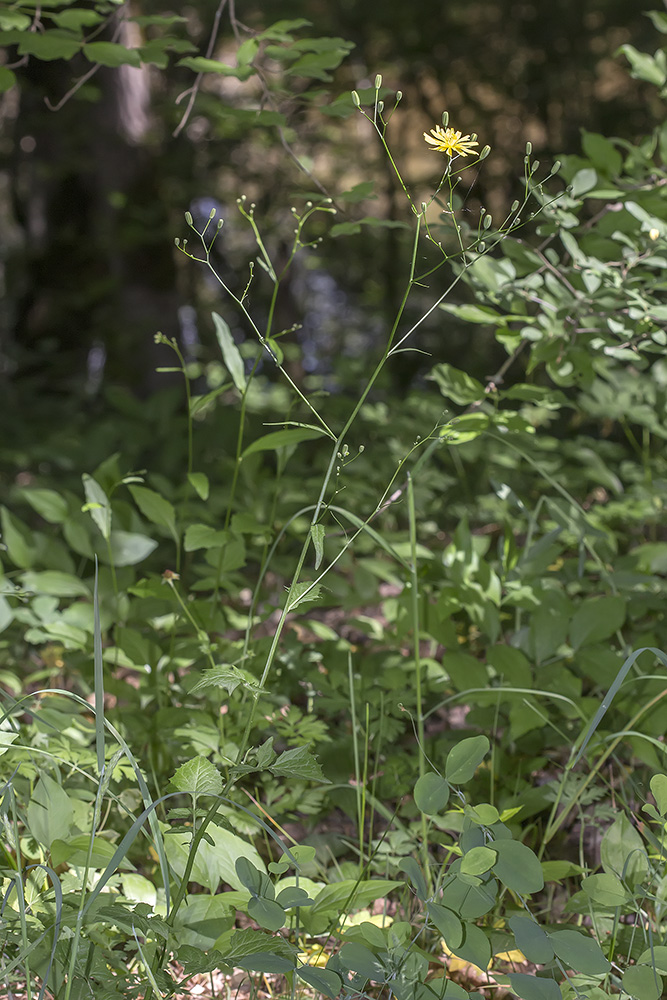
55 583
534 987
50 813
475 947
230 353
584 180
317 535
656 957
293 895
302 592
658 785
48 503
215 862
581 952
322 980
202 919
477 861
15 536
111 54
465 428
511 666
226 676
606 890
6 740
199 483
75 851
642 982
197 776
465 671
282 439
128 549
73 20
531 940
7 79
267 962
13 19
350 894
298 763
55 44
155 508
464 759
267 913
358 958
255 881
469 900
447 923
431 793
623 853
597 619
457 385
517 867
202 65
97 504
203 536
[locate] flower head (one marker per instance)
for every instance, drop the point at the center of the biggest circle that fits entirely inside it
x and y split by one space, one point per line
449 141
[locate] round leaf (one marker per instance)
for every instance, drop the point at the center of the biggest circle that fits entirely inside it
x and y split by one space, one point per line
581 952
642 982
431 793
517 867
464 759
531 940
268 914
478 861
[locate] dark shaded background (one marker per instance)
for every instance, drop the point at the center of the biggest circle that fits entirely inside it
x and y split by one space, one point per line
92 195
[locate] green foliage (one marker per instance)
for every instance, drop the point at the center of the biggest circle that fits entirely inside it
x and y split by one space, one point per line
193 659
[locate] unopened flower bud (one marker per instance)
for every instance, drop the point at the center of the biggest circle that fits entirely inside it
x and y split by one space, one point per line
529 148
485 152
356 100
399 96
378 81
177 241
481 246
188 218
380 106
653 234
211 214
445 119
514 206
488 219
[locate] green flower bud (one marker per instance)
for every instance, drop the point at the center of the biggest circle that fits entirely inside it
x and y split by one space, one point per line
529 148
378 81
445 119
485 152
356 100
188 218
399 96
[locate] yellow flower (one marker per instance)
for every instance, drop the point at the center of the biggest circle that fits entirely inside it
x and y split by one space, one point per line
449 141
654 234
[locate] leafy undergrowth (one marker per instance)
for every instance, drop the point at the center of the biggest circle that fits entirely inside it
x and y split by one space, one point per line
308 695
